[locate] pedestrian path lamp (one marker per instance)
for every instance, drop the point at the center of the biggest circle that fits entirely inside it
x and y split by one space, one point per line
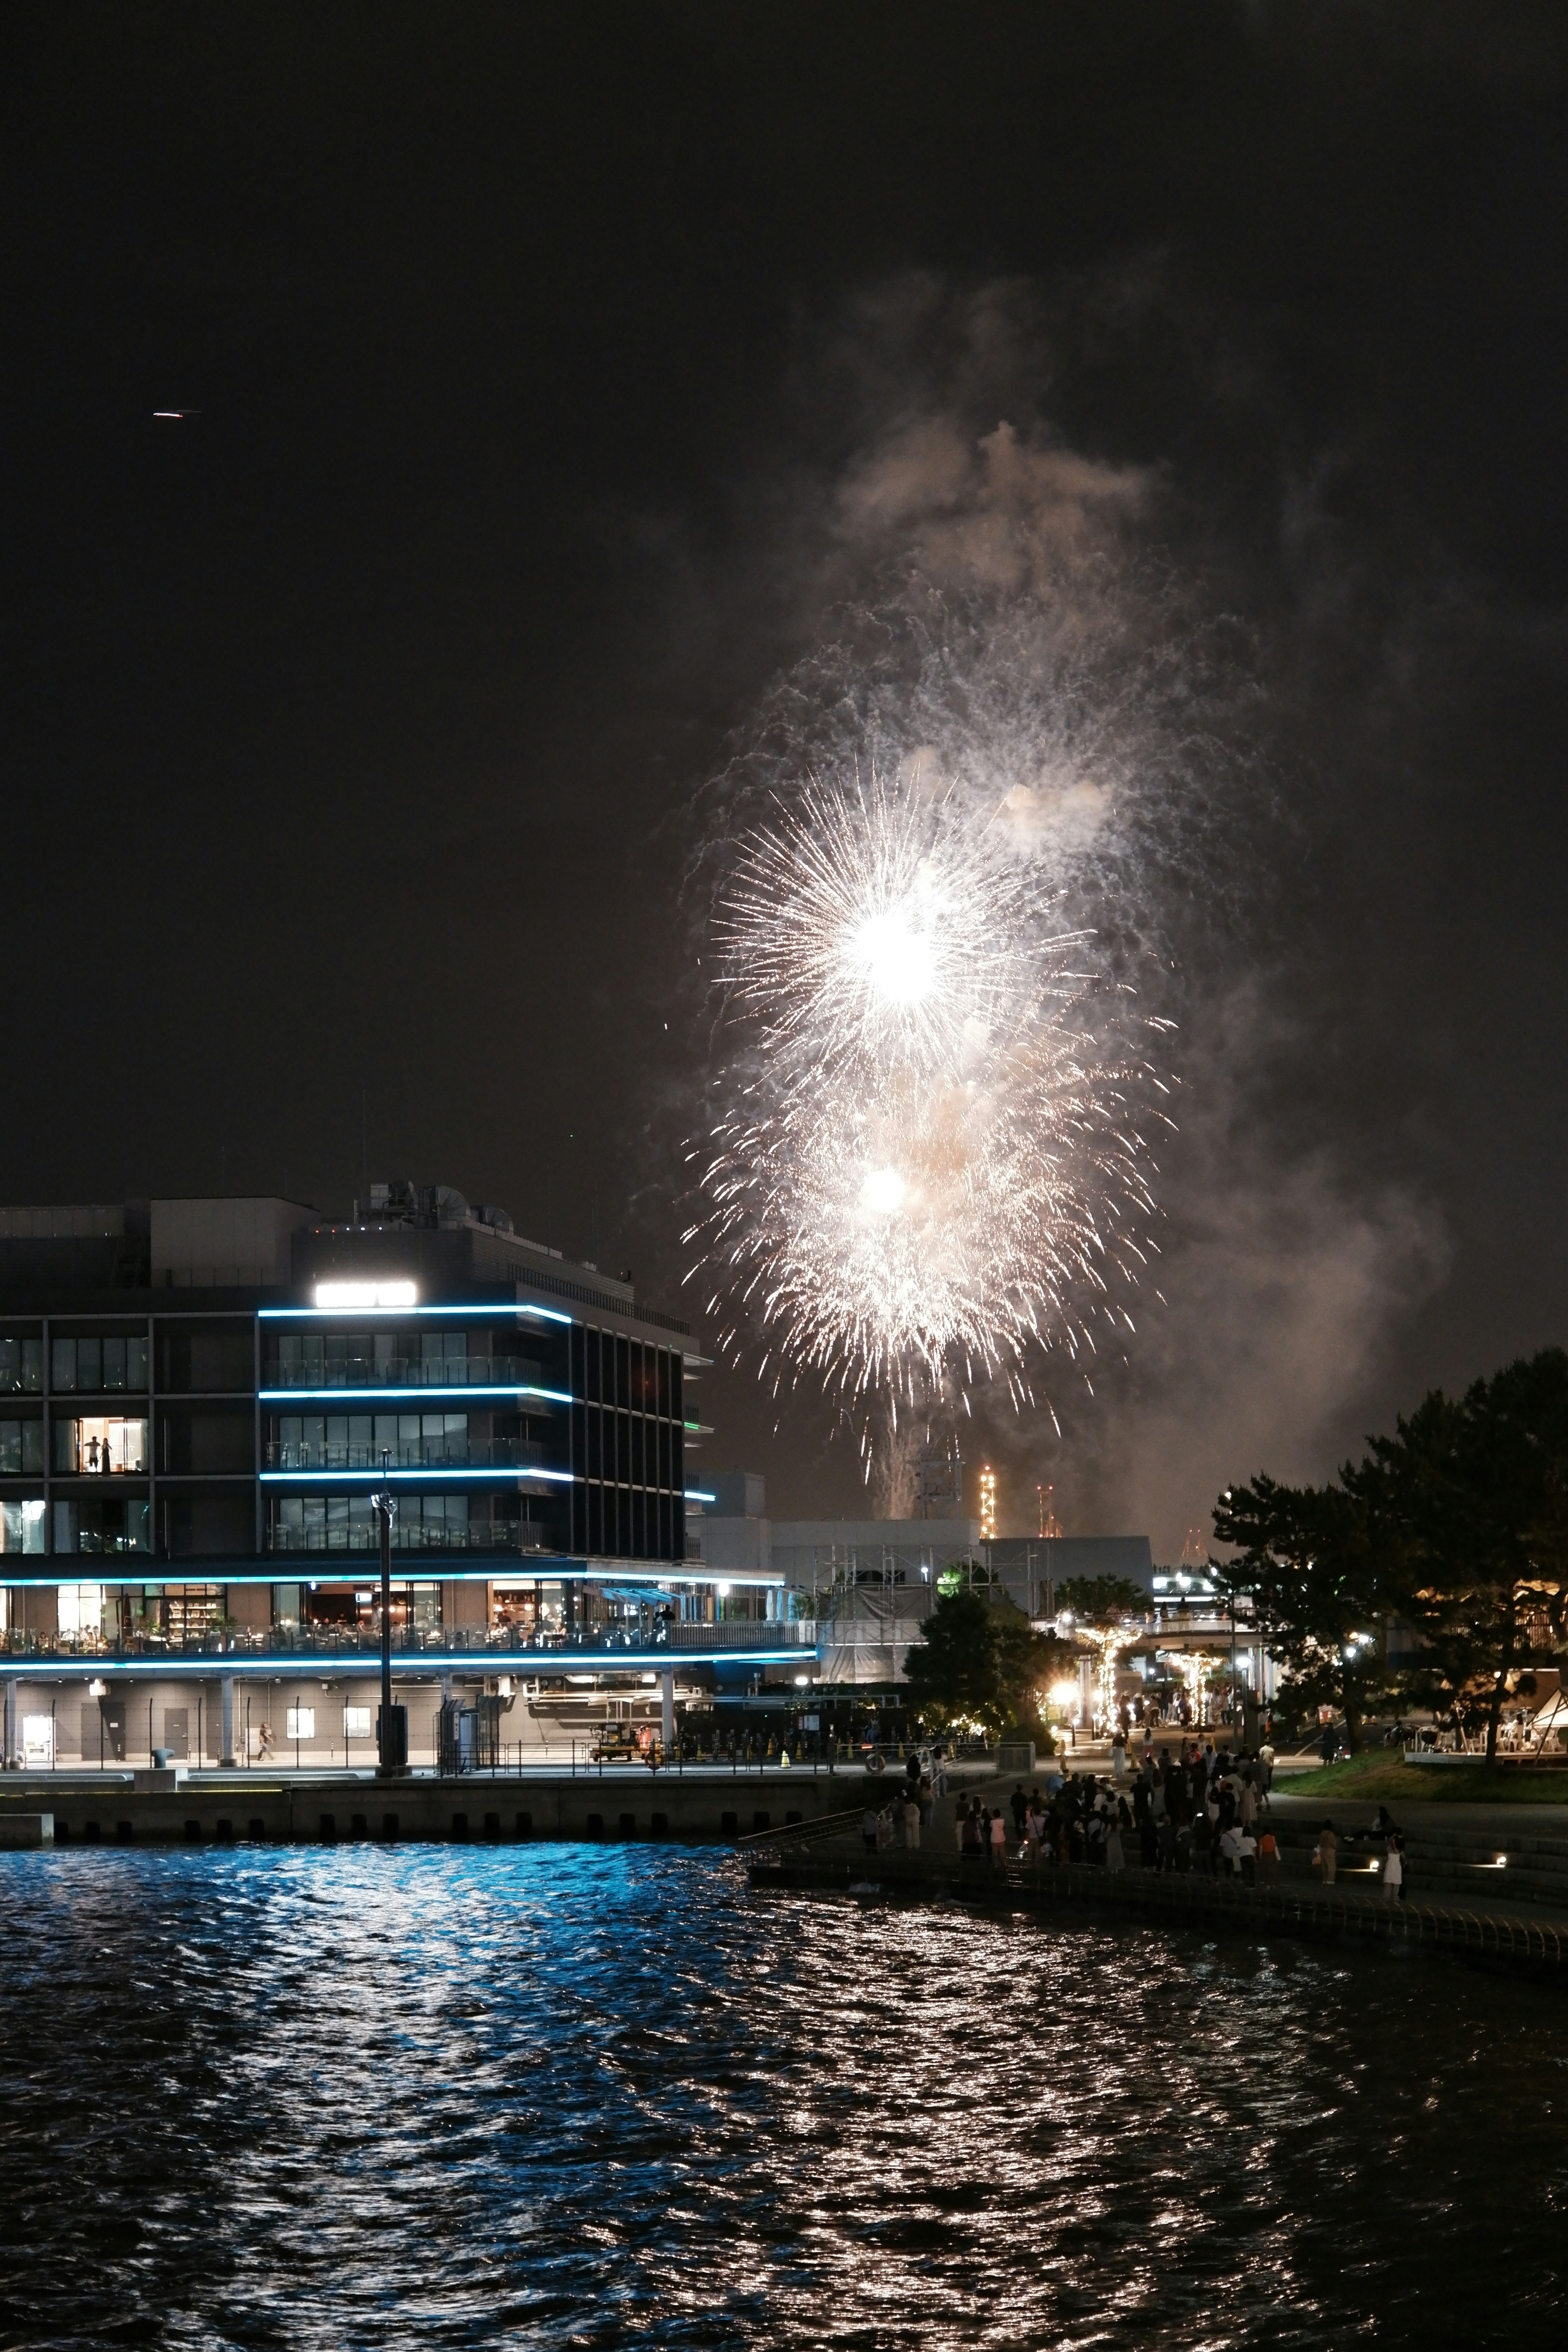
392 1723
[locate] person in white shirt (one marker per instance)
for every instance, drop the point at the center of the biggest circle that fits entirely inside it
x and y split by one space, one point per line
1393 1870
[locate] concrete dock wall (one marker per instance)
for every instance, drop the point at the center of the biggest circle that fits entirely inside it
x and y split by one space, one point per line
213 1809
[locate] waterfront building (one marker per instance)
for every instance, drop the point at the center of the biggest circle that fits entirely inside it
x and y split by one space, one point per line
198 1400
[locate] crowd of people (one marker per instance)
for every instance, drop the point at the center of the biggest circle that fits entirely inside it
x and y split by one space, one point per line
1194 1807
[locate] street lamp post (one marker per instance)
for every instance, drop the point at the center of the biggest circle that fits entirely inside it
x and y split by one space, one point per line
392 1724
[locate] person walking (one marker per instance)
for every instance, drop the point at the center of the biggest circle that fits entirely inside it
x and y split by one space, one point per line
1020 1805
1267 1858
1114 1857
973 1826
998 1839
912 1823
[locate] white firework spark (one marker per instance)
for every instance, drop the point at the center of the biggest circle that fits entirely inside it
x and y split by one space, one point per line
930 1166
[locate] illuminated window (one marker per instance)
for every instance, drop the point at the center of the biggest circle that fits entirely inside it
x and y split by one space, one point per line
299 1723
80 1608
95 1448
38 1742
356 1723
22 1525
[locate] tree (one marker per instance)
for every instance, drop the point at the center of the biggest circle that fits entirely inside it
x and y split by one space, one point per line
1478 1488
978 1656
1319 1566
1102 1600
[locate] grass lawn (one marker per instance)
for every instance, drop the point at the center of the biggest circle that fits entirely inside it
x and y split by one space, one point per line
1380 1774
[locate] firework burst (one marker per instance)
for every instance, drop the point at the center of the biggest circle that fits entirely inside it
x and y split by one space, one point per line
931 1165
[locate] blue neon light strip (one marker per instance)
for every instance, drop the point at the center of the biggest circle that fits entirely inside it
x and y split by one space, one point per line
442 1567
699 1494
336 1314
433 1470
408 1393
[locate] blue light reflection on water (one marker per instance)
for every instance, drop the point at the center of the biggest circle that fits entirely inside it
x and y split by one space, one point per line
560 2096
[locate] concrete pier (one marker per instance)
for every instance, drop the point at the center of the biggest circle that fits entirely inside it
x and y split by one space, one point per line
180 1807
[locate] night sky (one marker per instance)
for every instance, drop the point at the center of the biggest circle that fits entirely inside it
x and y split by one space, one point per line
355 727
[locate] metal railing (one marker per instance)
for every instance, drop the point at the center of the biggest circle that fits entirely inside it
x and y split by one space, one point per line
316 1370
524 1537
412 1454
502 1641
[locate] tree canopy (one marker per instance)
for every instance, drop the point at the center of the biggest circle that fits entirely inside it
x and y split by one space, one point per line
1102 1600
1319 1567
1476 1488
1457 1524
979 1657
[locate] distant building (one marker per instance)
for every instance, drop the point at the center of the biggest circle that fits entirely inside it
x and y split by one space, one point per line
1032 1567
869 1583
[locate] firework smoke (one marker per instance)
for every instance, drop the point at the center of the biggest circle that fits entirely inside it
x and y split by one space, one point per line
945 875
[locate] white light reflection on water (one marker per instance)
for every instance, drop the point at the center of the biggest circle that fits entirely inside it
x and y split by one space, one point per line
552 2096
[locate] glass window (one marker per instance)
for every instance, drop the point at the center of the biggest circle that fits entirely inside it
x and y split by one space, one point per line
63 1370
80 1608
32 1366
94 1447
356 1723
385 1354
457 1355
22 1525
21 1447
10 1364
299 1723
90 1363
113 1363
136 1360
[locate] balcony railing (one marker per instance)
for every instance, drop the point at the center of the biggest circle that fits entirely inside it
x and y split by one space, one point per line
352 1640
414 1453
408 1535
405 1371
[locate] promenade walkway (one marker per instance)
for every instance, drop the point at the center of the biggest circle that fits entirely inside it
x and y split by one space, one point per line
1521 1938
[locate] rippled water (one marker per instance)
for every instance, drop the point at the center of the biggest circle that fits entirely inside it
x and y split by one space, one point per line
567 2097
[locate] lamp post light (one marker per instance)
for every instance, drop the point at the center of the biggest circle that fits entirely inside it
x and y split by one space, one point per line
392 1724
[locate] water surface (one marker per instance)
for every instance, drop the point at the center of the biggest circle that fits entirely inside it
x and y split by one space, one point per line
566 2096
